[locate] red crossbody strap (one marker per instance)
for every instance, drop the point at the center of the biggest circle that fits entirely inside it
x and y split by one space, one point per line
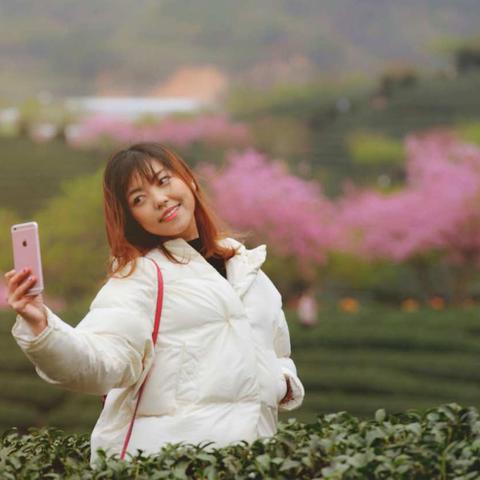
158 312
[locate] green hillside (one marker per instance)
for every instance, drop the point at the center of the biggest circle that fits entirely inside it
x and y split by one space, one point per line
70 47
385 358
378 358
32 173
429 102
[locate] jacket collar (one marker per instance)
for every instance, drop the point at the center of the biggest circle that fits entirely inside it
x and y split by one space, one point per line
242 268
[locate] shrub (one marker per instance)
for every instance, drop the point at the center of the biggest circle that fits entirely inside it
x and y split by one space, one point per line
443 442
375 149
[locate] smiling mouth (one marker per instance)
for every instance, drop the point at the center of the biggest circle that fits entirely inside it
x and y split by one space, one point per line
170 214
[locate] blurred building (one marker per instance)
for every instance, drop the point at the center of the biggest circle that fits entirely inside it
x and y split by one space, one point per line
133 107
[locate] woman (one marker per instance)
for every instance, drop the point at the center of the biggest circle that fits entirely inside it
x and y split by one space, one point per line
220 368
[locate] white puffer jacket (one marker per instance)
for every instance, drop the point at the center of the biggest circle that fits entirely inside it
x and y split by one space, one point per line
220 363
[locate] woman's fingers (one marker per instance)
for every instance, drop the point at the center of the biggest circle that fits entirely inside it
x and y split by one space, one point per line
19 300
17 277
18 286
13 276
30 307
289 395
24 287
9 274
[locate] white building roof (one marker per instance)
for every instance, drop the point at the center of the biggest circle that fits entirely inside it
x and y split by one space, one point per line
131 107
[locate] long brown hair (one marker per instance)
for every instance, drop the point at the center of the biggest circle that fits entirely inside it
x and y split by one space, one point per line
128 240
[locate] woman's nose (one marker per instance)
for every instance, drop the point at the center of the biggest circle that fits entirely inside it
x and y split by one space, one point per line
160 199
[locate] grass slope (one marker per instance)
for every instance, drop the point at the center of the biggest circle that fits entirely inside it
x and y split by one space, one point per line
378 358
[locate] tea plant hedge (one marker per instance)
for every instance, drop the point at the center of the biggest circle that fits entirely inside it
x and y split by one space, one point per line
441 443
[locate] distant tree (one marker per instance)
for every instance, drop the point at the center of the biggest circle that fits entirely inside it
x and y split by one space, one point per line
74 245
30 112
437 211
396 78
181 132
467 58
291 215
448 171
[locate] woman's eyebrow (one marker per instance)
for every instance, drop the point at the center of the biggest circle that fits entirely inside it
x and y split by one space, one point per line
134 190
159 171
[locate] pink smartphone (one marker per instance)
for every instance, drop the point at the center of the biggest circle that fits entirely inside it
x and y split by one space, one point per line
26 252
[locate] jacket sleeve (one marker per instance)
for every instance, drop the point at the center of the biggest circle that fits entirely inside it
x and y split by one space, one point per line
283 351
108 348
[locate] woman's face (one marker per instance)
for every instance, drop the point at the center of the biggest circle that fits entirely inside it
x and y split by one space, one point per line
165 207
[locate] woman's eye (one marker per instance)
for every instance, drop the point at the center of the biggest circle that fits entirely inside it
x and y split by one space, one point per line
163 179
136 200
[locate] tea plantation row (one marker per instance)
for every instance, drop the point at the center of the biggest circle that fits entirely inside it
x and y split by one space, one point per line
377 358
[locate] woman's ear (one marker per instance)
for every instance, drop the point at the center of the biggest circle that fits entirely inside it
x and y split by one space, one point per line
194 186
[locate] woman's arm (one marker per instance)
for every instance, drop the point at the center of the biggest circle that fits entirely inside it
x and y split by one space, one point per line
295 390
108 348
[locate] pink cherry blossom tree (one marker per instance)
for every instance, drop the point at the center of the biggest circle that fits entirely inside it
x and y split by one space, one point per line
438 210
448 169
217 130
256 195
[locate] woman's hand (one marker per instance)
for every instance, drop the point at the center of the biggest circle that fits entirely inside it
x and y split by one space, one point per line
289 395
30 307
